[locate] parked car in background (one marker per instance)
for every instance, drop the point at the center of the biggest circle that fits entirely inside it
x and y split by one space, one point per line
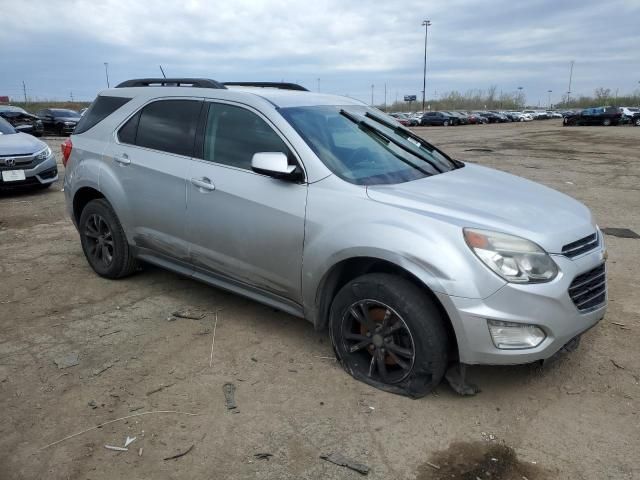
492 117
401 118
605 116
24 160
628 113
438 118
476 118
553 114
60 121
406 256
521 116
22 120
635 119
459 119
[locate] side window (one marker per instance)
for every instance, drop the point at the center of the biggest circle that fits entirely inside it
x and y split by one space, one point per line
166 125
234 134
127 133
101 108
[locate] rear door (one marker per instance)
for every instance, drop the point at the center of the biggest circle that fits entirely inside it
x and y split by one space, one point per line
150 157
244 226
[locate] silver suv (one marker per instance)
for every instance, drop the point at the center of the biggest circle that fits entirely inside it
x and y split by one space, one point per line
332 211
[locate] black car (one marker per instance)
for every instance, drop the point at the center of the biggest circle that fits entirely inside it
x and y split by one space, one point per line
461 119
635 119
492 117
605 116
438 118
22 120
60 121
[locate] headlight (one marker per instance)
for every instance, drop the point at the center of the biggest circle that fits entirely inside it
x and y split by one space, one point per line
69 123
43 154
513 258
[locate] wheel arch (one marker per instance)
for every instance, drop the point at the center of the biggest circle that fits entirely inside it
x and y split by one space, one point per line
81 198
347 269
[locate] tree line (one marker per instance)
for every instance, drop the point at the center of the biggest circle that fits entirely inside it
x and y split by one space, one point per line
493 99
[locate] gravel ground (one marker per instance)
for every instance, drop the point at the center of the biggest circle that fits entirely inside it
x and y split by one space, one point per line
577 418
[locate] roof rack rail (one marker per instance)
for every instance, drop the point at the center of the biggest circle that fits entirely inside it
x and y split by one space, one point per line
279 85
171 82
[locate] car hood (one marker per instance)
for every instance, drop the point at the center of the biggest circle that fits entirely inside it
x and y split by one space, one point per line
480 197
19 144
68 119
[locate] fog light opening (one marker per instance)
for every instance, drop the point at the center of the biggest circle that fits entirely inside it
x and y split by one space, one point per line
515 336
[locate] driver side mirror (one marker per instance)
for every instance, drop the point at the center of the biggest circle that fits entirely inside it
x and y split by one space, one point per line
274 164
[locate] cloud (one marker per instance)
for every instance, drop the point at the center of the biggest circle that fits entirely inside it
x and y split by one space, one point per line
59 47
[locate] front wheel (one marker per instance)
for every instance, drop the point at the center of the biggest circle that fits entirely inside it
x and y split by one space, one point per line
388 333
445 123
104 242
606 122
637 122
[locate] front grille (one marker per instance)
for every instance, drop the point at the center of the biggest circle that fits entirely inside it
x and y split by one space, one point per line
23 162
581 246
589 290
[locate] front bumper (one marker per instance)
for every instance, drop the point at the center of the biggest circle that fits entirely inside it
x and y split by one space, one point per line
43 173
546 305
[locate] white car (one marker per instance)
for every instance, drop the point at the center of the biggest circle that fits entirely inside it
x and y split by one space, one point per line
629 111
522 117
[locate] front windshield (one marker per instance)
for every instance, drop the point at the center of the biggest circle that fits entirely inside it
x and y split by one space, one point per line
362 146
62 112
5 127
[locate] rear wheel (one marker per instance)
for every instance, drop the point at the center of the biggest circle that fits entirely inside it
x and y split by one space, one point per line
388 333
445 123
103 241
637 122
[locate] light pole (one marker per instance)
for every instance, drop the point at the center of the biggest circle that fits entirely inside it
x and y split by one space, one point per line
425 24
318 84
106 72
521 96
570 78
549 92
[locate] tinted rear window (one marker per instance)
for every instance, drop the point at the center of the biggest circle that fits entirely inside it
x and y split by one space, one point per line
169 126
100 109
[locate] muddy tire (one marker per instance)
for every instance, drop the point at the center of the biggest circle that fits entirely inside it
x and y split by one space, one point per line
104 242
388 333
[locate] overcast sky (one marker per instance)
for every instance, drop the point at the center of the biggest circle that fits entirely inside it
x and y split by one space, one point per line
59 46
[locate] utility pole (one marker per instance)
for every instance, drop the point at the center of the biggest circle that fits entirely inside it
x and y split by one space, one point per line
318 84
24 90
522 98
425 24
549 92
385 97
106 72
570 78
372 86
71 96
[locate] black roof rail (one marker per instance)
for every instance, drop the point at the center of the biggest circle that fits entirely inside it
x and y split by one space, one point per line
279 85
171 82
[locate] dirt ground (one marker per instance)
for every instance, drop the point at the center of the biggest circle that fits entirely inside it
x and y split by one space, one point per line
575 419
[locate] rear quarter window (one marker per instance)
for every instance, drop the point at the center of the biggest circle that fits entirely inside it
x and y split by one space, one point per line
101 108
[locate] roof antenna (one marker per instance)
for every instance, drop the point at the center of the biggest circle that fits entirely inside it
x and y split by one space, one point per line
162 71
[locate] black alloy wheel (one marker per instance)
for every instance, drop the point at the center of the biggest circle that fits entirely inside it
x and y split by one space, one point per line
388 332
379 340
99 240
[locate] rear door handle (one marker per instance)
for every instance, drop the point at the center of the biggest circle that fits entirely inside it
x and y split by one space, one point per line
123 159
203 184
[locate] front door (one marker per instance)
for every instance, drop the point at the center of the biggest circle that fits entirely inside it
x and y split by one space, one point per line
244 226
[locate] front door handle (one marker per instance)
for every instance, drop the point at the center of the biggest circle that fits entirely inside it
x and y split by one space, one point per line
203 183
123 159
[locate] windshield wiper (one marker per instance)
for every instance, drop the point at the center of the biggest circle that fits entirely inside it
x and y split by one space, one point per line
390 139
400 130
